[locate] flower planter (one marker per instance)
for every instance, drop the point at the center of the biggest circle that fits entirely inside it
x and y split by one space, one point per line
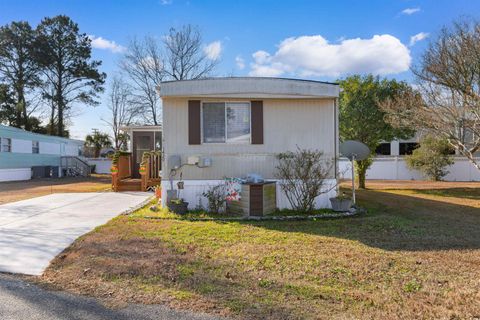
114 170
178 208
341 205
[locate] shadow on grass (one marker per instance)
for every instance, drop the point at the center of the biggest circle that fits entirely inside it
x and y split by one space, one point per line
464 193
398 222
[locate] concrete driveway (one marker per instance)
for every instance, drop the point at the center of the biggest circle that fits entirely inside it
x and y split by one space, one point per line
34 231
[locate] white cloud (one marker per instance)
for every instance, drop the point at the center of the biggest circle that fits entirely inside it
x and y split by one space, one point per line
410 11
240 62
315 56
213 50
165 2
104 44
418 37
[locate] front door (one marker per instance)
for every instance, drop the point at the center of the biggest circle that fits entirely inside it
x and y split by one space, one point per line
142 142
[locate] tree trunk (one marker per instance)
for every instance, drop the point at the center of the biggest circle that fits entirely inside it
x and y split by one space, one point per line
361 178
60 108
60 121
23 103
51 129
361 167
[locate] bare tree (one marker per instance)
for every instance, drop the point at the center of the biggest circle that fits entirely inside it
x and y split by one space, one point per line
447 99
122 110
148 62
184 56
143 65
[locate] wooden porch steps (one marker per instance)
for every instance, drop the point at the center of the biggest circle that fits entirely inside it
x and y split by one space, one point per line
130 184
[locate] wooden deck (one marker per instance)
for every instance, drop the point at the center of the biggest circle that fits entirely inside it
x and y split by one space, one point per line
150 173
129 184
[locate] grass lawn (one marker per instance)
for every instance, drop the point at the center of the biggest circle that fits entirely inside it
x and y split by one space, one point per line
415 254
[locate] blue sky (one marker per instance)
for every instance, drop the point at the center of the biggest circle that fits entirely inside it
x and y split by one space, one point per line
306 39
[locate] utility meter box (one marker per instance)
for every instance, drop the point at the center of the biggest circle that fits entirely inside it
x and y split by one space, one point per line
174 161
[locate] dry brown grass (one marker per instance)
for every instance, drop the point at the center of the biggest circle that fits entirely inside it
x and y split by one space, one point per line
415 255
21 190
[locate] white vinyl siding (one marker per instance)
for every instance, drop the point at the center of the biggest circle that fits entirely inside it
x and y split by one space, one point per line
288 124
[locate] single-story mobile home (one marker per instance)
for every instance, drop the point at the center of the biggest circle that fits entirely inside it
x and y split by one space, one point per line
21 150
232 127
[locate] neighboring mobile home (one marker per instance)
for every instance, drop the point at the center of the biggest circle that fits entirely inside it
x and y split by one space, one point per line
21 150
230 127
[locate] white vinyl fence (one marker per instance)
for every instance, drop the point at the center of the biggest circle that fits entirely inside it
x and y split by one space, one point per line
395 168
102 165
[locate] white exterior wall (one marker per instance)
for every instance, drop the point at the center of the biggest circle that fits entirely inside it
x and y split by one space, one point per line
395 168
15 174
71 150
25 146
287 124
194 189
49 148
21 146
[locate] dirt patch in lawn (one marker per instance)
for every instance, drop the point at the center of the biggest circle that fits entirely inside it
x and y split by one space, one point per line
414 255
21 190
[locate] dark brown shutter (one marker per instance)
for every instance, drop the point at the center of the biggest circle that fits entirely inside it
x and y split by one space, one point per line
257 122
194 122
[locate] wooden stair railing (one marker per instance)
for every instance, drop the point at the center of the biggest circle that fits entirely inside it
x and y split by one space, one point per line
150 169
122 165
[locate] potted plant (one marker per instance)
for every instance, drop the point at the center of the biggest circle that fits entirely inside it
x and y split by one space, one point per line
341 203
178 206
114 170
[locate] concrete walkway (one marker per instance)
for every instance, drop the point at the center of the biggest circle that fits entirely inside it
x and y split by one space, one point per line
34 231
22 300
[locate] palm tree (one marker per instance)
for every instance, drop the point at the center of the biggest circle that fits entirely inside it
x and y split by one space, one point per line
97 141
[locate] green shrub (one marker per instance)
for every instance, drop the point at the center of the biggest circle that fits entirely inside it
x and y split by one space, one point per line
431 158
216 197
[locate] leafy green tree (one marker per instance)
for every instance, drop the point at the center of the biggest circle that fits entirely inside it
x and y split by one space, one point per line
431 158
361 118
97 141
70 74
19 69
8 109
7 105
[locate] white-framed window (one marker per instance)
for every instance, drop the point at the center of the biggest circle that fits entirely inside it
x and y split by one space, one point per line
6 144
226 122
35 147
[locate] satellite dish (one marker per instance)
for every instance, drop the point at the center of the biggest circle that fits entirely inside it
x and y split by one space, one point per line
354 150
